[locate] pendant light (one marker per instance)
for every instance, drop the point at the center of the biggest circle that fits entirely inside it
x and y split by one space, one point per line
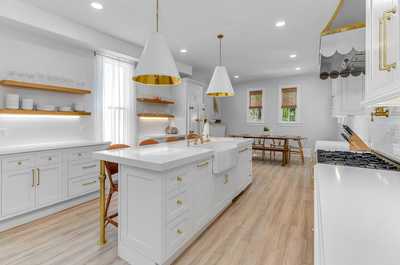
220 84
157 66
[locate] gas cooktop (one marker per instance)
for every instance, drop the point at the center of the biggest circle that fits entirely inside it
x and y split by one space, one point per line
354 159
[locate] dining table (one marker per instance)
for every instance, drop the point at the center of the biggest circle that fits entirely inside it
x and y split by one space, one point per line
266 136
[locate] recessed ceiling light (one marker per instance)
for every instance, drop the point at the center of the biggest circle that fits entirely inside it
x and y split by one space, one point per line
280 23
96 5
183 51
298 68
293 56
236 76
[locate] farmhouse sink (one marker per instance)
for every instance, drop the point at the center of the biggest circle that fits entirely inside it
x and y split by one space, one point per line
225 155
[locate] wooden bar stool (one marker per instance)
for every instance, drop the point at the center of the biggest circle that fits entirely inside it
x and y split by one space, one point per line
299 149
112 169
148 142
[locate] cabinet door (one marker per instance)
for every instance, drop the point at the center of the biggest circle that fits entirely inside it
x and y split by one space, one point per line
244 166
381 48
48 185
18 191
352 95
203 193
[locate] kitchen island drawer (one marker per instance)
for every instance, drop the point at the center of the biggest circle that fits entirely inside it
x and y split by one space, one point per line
178 232
44 159
18 163
177 204
82 185
83 169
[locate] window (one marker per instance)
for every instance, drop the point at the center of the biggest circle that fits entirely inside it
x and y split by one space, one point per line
116 100
255 106
289 104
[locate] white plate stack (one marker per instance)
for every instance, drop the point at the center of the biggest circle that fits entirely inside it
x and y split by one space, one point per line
12 101
47 108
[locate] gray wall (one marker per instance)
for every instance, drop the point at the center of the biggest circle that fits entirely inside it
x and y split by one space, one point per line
315 105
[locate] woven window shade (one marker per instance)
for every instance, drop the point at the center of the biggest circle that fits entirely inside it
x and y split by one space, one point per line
289 97
255 99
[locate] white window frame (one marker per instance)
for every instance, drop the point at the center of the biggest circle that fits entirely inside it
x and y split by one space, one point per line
263 106
298 120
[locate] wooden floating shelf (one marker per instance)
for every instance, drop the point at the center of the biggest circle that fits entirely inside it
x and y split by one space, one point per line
44 87
155 100
42 112
155 115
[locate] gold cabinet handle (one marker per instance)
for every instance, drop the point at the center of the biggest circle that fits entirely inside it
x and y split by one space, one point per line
383 41
179 231
203 164
38 176
33 178
179 202
89 167
179 179
50 158
226 179
19 163
89 183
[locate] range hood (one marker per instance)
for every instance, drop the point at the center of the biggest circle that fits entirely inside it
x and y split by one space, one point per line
342 43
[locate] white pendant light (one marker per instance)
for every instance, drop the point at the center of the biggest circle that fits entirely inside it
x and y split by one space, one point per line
157 66
220 84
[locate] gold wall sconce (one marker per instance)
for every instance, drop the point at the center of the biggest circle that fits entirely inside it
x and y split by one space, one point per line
379 112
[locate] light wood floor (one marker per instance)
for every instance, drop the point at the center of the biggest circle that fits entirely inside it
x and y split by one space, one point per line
270 224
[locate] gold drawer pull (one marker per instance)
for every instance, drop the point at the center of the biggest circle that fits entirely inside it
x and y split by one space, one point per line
179 202
89 183
79 154
226 179
383 41
19 163
179 232
203 164
50 158
179 179
89 167
33 178
243 150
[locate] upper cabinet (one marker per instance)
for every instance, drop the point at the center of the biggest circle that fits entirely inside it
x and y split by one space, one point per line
347 95
382 52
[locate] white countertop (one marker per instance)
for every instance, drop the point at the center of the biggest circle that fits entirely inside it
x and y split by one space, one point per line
164 156
360 213
332 145
15 149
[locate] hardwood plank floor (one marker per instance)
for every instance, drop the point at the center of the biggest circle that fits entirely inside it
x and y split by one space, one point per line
269 224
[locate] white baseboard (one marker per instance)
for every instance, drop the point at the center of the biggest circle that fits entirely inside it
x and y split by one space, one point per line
43 212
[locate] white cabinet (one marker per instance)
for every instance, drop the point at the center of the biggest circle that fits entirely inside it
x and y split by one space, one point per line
224 189
382 51
48 185
347 96
203 194
18 191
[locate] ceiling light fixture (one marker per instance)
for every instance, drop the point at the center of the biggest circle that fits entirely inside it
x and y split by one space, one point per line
220 84
156 65
96 5
293 56
280 23
183 51
236 76
298 68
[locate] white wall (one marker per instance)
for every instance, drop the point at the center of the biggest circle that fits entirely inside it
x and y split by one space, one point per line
30 52
315 105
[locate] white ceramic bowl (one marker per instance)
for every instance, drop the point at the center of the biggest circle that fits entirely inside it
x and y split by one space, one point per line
79 107
65 108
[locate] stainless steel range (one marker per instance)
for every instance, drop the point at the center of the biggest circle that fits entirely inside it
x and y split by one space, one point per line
354 159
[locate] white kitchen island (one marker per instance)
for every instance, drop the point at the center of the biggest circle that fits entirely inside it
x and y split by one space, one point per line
170 193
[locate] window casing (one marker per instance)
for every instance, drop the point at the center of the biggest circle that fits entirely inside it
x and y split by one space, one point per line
255 106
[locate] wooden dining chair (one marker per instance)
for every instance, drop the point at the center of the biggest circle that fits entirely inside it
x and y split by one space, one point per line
276 144
149 141
111 170
298 150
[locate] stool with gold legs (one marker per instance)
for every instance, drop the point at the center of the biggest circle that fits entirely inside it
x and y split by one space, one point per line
102 201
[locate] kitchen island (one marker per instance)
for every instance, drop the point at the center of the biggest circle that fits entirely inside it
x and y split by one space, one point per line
170 193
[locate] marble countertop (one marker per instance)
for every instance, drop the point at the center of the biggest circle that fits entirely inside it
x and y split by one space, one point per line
360 213
15 149
165 156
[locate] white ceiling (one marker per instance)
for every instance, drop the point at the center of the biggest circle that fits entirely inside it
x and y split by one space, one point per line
253 46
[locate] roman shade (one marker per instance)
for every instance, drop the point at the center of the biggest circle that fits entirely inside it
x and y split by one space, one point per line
289 97
255 101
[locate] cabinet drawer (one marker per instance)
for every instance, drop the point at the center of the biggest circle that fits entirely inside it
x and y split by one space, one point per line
177 204
177 233
18 163
83 169
44 159
82 185
81 155
177 182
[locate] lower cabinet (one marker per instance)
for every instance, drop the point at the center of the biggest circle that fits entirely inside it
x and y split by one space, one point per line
35 180
224 189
